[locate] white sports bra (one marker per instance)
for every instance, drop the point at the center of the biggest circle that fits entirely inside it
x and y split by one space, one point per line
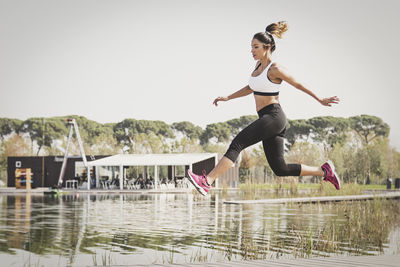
262 85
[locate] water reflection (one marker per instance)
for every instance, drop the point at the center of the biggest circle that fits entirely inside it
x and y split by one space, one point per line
129 229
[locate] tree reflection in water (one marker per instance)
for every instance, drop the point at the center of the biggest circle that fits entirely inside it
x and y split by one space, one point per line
183 228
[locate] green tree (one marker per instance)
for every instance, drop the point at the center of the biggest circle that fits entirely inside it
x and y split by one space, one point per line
88 129
186 145
8 126
391 160
137 143
221 131
246 164
219 148
128 129
154 144
330 129
261 162
372 163
298 129
305 153
369 127
236 125
188 128
104 144
15 146
43 131
343 156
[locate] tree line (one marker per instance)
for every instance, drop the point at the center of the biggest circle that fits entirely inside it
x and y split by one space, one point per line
308 141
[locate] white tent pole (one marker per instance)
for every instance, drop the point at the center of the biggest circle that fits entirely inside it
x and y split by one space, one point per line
155 176
88 177
97 168
121 178
216 162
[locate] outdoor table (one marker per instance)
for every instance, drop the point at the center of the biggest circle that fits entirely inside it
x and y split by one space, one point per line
71 184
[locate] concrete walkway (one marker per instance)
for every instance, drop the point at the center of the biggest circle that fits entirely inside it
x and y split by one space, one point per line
349 261
44 190
315 199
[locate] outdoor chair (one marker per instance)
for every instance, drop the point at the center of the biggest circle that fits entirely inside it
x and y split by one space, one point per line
113 184
83 186
182 183
104 184
130 184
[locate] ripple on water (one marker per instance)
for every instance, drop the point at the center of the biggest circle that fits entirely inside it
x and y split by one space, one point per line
164 227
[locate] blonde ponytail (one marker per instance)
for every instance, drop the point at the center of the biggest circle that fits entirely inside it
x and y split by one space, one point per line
277 29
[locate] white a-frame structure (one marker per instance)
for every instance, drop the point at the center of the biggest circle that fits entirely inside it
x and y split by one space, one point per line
73 125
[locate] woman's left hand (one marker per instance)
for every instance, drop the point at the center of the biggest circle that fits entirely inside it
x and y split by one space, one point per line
329 100
220 98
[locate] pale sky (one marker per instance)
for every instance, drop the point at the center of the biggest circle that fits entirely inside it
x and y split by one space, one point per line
168 60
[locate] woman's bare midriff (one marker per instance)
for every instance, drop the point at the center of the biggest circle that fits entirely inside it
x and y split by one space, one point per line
263 101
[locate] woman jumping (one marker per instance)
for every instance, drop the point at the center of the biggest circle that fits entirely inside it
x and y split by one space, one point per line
270 127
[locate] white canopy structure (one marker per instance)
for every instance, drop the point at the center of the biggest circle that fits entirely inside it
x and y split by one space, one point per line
126 160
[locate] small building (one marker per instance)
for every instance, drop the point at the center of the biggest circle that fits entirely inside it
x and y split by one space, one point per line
46 170
159 167
172 166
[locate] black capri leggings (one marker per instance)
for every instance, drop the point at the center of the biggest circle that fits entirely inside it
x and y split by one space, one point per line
270 129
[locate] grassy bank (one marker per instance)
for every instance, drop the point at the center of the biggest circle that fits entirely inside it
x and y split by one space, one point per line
314 186
365 231
258 191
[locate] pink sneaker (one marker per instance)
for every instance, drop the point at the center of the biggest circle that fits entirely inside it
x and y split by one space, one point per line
330 174
199 182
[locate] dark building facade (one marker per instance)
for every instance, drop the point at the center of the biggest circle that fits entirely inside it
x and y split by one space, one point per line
46 170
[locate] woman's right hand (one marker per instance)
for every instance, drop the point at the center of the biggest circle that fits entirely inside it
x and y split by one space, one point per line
220 98
329 100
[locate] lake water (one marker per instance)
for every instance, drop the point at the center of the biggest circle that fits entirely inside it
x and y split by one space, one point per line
80 230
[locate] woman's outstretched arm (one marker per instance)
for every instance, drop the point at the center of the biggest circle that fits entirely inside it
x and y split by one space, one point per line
242 92
280 73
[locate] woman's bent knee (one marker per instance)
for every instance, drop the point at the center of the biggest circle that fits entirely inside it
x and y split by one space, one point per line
234 150
287 170
281 172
